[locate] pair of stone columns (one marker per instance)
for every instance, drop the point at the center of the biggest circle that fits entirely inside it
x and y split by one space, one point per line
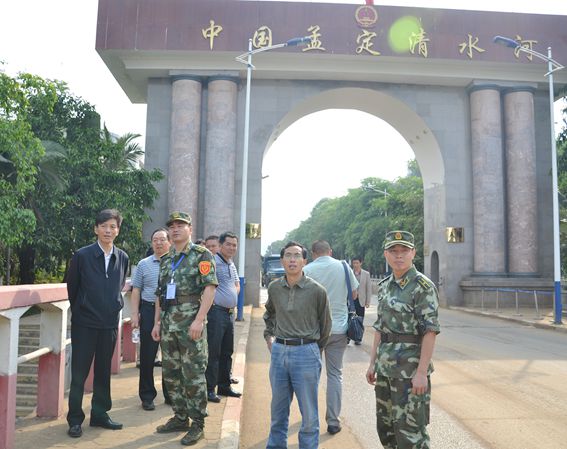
219 152
504 180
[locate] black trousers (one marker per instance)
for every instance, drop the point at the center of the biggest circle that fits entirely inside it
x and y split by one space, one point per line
220 337
88 343
148 351
359 309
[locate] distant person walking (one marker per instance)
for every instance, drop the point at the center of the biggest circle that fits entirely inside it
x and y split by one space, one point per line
96 276
329 272
400 362
298 323
143 301
364 291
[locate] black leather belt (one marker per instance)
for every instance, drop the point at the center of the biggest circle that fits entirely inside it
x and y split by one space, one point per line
148 303
294 341
225 309
399 338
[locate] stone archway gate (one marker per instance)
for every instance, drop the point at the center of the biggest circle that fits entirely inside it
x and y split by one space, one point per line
476 115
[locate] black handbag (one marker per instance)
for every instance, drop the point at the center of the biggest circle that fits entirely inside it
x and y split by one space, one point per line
355 330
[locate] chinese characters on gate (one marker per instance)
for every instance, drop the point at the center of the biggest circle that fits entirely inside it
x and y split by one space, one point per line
418 41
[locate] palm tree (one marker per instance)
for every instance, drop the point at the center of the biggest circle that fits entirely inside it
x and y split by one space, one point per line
130 152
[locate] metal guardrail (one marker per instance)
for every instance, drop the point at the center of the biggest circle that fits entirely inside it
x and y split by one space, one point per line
516 291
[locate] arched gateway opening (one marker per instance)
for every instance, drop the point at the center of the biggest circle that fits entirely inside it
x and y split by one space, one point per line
475 114
381 105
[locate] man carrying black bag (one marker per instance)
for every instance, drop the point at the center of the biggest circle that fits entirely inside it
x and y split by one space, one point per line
330 274
355 326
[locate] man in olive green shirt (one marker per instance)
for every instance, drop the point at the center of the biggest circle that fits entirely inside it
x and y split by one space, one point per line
298 324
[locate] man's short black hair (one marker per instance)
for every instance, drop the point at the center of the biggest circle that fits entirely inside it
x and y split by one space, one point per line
211 237
293 243
199 242
162 229
356 258
320 247
108 214
225 235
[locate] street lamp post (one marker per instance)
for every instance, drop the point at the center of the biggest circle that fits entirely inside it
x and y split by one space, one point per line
552 66
246 58
386 194
374 189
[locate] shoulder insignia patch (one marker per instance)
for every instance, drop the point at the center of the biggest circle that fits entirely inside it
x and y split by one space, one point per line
199 248
424 282
204 267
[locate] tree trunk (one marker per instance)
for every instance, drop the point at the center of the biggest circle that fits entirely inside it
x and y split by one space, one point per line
8 257
26 256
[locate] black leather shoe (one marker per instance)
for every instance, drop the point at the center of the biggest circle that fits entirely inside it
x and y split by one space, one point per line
75 431
212 397
229 392
148 405
106 423
334 429
233 380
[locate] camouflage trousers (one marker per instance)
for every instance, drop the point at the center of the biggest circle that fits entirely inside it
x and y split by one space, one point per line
184 362
401 417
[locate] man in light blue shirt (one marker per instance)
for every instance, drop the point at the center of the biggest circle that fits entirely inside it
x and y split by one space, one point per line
330 273
220 326
143 300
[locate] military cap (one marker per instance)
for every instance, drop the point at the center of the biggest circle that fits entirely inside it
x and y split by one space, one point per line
179 216
403 238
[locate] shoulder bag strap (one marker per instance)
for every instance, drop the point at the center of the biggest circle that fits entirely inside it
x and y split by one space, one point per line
350 302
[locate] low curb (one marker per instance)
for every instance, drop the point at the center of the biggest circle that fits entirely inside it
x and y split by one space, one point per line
514 319
230 428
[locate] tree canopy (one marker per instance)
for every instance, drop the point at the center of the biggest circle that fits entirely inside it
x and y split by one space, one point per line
57 170
355 224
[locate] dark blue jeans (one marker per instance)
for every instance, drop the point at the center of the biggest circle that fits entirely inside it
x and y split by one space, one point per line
220 337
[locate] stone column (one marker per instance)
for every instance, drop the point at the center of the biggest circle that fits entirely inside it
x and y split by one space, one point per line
521 180
488 181
183 182
220 156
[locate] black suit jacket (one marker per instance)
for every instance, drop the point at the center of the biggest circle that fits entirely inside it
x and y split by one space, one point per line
94 293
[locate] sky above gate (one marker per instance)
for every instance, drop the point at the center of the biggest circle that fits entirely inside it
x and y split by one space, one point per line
55 39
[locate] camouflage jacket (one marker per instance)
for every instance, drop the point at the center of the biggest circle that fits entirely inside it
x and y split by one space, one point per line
192 275
405 306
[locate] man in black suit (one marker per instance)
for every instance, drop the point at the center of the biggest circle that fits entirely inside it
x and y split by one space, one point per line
94 283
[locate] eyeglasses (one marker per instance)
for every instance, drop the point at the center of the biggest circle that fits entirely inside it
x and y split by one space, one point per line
295 256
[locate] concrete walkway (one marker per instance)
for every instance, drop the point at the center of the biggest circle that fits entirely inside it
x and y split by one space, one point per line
221 428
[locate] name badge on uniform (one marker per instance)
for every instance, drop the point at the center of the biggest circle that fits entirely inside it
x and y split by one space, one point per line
170 293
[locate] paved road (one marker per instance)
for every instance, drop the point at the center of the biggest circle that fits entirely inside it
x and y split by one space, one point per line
503 381
497 385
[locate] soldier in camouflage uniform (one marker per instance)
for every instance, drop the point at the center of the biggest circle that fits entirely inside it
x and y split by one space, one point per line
186 289
400 365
